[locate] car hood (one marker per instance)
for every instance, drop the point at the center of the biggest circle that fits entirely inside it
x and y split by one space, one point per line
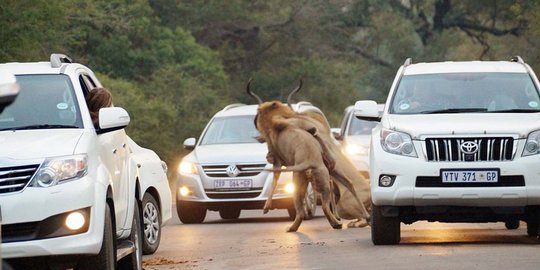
32 144
465 123
227 153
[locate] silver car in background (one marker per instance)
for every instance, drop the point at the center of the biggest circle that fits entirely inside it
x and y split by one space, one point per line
355 136
225 171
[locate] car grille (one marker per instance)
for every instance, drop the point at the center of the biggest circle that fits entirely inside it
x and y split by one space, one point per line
489 149
252 193
13 179
243 170
19 232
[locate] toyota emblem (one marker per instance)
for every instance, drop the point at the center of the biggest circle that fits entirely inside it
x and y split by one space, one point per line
469 147
232 171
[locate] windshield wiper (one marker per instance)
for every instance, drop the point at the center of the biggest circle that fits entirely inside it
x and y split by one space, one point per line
39 126
455 110
516 111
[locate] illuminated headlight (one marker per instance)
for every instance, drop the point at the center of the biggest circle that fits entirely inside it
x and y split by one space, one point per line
184 191
187 168
75 221
397 143
532 146
289 188
59 170
355 149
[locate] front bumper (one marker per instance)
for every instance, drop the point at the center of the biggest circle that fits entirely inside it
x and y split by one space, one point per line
407 171
249 199
37 206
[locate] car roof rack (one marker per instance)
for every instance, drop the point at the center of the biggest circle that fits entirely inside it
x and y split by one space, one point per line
300 104
408 61
57 59
234 105
517 58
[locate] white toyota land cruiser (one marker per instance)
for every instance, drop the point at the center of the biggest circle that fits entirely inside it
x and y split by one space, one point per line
457 142
68 190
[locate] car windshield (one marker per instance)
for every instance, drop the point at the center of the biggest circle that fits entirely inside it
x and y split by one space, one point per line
465 92
360 127
231 129
44 101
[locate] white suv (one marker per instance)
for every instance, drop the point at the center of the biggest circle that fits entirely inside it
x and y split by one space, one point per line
224 172
68 191
457 142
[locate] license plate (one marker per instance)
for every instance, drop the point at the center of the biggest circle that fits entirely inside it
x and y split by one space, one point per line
233 184
470 176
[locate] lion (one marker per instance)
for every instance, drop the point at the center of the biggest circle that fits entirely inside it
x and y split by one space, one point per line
273 117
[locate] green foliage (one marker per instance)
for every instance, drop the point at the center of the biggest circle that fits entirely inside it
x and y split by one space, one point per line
173 63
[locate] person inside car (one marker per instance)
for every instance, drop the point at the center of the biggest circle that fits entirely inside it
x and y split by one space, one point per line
98 98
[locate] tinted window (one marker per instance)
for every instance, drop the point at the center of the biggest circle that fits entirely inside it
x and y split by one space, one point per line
42 100
488 92
233 129
360 127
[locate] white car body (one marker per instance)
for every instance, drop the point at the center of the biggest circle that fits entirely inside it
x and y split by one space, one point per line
227 162
414 181
152 173
355 137
111 175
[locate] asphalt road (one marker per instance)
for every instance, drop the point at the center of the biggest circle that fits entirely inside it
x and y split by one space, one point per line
257 241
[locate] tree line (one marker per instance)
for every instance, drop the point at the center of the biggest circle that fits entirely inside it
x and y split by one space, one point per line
174 63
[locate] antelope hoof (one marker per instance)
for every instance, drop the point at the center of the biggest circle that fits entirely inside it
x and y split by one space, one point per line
337 226
291 229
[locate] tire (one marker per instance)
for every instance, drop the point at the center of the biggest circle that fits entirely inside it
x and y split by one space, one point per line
151 216
232 213
384 230
532 228
190 213
134 260
106 258
310 203
512 224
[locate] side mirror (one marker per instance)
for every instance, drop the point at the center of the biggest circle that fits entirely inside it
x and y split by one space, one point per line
336 132
9 88
367 110
189 143
112 118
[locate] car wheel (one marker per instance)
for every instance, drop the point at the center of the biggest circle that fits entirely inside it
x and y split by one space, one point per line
384 230
512 224
106 258
232 213
190 213
134 260
152 224
532 228
310 203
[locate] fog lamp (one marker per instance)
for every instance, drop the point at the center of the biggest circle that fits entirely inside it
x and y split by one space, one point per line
184 191
386 180
75 221
289 188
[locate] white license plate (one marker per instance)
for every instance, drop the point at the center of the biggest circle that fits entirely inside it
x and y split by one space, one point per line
236 184
470 176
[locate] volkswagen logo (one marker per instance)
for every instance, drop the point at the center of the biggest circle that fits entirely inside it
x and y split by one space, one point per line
232 171
469 147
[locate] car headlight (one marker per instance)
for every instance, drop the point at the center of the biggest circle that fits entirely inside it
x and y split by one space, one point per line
355 149
532 145
187 168
398 143
59 170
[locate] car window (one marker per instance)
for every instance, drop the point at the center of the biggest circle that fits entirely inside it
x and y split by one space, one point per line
465 92
43 100
231 129
360 127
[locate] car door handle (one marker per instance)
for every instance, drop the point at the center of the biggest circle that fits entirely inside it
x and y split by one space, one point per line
124 145
114 151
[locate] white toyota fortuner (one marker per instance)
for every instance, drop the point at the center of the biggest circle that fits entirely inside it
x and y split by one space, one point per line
457 142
